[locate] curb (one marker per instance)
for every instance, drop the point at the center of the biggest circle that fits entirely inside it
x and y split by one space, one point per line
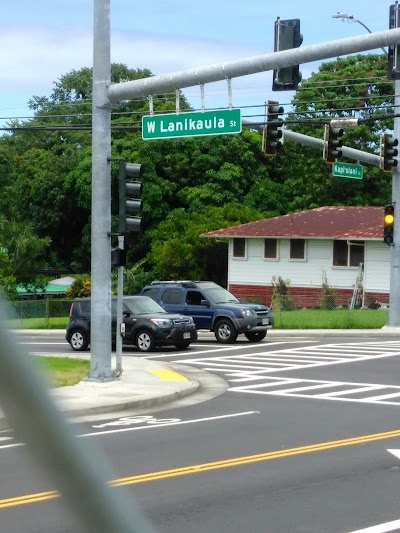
149 401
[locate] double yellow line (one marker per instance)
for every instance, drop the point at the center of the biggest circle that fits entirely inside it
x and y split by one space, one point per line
215 465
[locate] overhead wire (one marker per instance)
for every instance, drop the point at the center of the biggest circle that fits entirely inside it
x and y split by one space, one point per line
294 105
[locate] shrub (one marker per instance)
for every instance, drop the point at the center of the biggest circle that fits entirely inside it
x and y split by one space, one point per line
328 297
281 300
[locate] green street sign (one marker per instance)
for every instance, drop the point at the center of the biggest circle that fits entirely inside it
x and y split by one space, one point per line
347 170
200 123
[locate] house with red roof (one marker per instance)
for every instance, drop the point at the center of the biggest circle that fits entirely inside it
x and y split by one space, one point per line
342 246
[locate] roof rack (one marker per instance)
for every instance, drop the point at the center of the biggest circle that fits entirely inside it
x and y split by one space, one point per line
184 282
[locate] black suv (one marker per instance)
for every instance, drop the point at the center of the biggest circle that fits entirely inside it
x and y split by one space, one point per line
213 308
147 325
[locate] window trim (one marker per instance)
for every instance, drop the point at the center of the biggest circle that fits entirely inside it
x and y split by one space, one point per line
298 259
349 243
239 257
276 257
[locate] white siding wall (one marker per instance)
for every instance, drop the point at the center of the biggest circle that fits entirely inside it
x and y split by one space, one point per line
255 270
377 267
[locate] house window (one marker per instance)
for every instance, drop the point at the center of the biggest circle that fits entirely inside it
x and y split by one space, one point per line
239 247
348 253
297 249
270 249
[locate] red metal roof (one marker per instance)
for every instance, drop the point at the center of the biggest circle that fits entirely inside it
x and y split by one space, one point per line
330 222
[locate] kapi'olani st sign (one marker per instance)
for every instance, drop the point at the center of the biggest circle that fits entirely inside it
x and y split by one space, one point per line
219 122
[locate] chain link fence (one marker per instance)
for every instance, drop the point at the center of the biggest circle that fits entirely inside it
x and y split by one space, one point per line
47 313
326 312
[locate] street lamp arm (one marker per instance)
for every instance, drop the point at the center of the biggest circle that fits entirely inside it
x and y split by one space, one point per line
362 24
352 18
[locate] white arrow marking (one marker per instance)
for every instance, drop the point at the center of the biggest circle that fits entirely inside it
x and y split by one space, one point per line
395 452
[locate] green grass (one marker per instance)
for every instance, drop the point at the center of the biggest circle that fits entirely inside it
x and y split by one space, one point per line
39 323
335 319
61 371
298 319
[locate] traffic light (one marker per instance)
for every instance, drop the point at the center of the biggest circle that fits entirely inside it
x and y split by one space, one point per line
389 152
287 36
130 192
334 140
118 257
393 55
388 224
274 129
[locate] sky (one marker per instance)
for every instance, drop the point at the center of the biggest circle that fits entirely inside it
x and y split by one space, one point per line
41 41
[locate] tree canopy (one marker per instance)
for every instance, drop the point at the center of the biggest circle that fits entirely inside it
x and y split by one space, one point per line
191 185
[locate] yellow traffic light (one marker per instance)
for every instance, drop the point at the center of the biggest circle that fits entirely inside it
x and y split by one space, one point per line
388 223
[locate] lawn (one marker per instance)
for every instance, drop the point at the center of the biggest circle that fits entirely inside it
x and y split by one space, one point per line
298 319
61 371
334 319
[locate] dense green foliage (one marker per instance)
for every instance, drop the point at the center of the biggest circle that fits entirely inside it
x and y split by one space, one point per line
191 185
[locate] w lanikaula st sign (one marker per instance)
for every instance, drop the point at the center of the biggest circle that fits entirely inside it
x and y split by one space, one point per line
191 124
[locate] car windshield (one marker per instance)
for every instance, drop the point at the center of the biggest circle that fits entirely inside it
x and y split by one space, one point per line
142 306
220 296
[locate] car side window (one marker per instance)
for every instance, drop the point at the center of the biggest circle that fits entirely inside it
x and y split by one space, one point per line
172 296
193 298
151 291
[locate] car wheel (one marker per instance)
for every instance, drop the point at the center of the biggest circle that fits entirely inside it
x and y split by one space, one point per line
182 345
79 340
256 336
145 341
225 331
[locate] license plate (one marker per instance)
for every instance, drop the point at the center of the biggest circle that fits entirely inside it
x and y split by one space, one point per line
265 321
186 335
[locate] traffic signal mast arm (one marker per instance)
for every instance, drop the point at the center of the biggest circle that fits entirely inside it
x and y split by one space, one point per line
313 142
117 92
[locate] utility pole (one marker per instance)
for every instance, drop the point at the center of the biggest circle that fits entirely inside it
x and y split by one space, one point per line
394 298
100 340
394 290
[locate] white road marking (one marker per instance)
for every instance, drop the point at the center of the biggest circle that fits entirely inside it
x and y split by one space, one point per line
305 388
380 528
65 343
15 445
219 348
255 372
153 426
395 452
182 422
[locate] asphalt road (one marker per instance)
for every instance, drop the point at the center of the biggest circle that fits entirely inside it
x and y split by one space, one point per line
299 443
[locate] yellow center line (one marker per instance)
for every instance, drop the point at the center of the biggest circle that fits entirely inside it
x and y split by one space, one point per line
204 467
29 498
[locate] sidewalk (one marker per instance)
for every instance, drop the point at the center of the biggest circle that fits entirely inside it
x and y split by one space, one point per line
142 384
146 383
